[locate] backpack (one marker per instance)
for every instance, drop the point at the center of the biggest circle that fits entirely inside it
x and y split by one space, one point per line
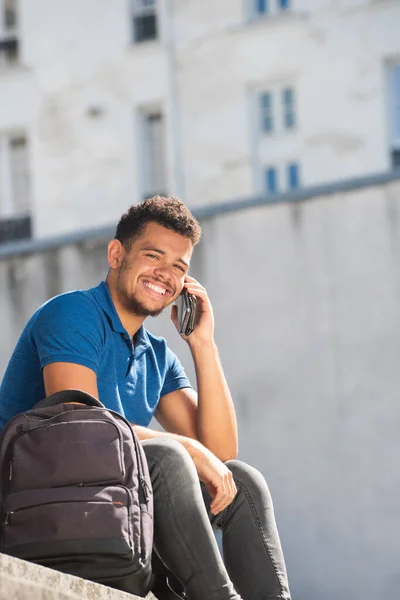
75 492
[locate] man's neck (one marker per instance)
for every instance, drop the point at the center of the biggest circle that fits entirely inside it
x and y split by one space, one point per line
132 323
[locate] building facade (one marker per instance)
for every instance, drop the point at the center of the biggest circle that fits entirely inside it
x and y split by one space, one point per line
104 103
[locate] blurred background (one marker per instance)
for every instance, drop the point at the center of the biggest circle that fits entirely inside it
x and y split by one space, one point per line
278 123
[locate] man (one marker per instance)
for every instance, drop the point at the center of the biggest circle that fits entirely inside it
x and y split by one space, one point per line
95 340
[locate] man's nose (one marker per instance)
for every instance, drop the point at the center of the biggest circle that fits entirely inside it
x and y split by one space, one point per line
163 271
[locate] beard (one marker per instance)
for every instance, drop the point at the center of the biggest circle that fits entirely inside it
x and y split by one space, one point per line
131 303
137 308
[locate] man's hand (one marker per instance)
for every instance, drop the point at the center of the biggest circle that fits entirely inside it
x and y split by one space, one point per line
216 476
204 324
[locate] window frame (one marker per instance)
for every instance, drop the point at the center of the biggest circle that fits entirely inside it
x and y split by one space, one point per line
140 12
9 47
278 117
150 171
11 205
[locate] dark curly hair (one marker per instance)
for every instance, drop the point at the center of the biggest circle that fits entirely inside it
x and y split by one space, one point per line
168 212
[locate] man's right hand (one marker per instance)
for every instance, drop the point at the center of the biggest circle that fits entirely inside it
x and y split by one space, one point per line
216 476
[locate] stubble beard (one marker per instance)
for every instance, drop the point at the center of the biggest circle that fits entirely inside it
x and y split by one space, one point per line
131 303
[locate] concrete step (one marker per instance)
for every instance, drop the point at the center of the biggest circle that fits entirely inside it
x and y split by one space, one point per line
22 580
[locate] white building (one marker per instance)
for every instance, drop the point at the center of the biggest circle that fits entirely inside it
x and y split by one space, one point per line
103 103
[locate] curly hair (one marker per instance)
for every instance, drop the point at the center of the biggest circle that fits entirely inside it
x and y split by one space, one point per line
169 212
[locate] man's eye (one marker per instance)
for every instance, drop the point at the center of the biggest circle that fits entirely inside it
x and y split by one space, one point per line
180 268
152 255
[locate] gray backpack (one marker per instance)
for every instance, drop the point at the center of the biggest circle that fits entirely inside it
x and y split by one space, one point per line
75 492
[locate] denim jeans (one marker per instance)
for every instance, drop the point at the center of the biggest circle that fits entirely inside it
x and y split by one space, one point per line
253 567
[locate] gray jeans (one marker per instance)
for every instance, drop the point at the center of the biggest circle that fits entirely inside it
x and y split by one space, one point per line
254 566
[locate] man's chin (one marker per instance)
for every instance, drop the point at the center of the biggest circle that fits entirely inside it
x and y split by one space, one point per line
141 310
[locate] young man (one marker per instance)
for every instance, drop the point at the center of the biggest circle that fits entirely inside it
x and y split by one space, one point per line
94 340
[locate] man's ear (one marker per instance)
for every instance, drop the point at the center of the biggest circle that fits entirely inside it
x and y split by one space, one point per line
115 254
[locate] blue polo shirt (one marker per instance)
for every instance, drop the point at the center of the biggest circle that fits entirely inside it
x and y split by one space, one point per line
83 327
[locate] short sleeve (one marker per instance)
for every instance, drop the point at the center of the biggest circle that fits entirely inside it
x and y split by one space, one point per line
175 377
69 329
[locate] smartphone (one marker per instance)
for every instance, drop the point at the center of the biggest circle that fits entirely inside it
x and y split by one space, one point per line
186 304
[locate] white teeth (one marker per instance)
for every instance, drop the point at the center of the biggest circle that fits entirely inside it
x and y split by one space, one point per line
157 289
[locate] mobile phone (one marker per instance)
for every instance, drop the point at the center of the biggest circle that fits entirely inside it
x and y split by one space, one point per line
186 304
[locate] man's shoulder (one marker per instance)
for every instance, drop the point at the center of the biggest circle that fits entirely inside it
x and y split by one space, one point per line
74 300
77 306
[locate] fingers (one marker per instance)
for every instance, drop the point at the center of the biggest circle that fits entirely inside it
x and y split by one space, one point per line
200 292
195 288
226 492
174 315
191 283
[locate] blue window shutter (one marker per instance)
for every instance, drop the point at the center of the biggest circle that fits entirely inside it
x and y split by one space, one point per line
271 180
267 124
293 176
261 6
283 4
289 116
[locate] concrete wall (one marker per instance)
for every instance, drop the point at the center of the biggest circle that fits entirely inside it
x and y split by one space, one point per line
21 580
82 84
307 304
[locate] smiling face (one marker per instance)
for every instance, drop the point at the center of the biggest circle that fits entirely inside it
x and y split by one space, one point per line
151 275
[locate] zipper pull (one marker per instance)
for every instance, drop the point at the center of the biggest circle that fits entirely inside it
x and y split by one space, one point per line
11 471
6 520
145 488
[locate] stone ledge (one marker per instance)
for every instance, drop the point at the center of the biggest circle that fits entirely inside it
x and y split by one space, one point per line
22 580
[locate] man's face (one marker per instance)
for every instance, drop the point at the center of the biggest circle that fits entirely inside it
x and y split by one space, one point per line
152 273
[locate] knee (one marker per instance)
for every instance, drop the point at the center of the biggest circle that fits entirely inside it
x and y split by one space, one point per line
249 480
169 455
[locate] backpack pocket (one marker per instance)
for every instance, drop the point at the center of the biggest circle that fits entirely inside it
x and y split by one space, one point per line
65 454
42 525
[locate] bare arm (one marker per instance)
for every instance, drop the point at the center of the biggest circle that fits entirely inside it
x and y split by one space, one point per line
213 419
60 376
216 419
214 474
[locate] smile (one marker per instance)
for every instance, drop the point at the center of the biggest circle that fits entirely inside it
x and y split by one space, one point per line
155 288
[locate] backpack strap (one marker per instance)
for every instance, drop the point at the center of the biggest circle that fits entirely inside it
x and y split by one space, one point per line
69 396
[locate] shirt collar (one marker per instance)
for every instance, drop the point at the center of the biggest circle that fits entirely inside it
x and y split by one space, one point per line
104 298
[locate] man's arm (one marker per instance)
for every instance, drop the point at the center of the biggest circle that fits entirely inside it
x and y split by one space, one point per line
211 418
62 376
216 476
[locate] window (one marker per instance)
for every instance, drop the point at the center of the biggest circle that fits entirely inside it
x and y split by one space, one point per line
277 110
290 176
266 112
396 159
284 4
271 180
293 178
394 117
265 7
289 119
153 154
8 32
261 6
14 188
144 20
